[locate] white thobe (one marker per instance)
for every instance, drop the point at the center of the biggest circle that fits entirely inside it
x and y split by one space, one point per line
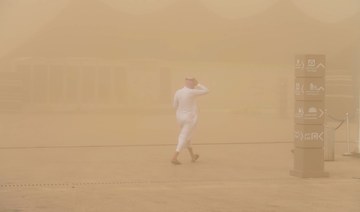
187 113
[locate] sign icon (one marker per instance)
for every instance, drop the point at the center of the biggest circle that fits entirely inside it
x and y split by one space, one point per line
309 113
300 112
321 113
300 65
309 136
312 110
311 63
299 88
320 65
314 87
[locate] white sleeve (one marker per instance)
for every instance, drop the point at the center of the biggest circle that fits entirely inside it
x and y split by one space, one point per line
176 101
200 90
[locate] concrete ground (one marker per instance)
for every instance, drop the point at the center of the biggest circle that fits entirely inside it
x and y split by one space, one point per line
227 177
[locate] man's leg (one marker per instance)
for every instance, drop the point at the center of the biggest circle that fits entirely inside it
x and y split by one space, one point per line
183 137
193 156
175 158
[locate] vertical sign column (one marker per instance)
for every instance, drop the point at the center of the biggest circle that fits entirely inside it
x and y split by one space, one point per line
309 116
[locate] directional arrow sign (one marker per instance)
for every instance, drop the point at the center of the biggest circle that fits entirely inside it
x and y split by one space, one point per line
321 113
309 112
320 65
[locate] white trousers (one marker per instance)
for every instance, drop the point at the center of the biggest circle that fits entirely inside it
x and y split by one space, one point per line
187 122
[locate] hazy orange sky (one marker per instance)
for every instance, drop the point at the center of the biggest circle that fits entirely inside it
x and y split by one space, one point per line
179 29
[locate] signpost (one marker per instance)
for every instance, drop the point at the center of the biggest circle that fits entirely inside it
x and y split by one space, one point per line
309 116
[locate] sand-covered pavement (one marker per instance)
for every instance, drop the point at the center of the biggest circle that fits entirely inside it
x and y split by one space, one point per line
232 177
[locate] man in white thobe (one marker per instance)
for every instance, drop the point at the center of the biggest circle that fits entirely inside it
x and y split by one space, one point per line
187 115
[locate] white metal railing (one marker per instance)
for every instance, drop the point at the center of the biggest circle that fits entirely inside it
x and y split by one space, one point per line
346 119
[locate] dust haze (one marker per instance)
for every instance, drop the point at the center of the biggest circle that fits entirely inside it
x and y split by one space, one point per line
86 91
104 72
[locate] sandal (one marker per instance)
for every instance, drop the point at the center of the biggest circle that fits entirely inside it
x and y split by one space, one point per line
175 162
194 159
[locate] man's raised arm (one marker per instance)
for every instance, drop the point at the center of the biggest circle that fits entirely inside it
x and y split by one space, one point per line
200 89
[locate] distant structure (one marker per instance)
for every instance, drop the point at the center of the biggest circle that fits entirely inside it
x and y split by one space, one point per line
83 84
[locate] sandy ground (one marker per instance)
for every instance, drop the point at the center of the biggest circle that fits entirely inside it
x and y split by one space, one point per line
243 177
119 163
76 129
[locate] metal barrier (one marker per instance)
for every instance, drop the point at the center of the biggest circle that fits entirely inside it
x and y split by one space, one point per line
329 147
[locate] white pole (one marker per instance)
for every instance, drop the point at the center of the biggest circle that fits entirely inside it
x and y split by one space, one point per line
358 114
347 153
357 68
347 132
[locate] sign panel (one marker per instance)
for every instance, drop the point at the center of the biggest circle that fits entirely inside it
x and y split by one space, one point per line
309 112
309 89
310 65
309 136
